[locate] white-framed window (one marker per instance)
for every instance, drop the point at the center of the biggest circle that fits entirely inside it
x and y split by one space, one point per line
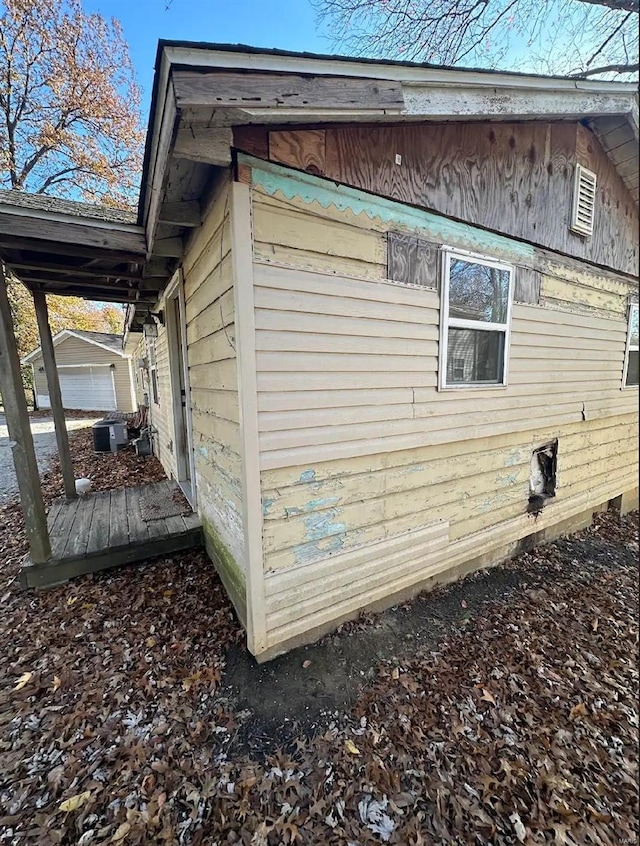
475 320
632 354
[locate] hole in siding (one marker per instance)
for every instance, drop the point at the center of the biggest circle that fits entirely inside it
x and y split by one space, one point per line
542 479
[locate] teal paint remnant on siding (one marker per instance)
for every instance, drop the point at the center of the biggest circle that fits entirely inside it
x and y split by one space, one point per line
495 502
274 179
307 552
266 505
513 457
320 525
508 479
317 504
307 476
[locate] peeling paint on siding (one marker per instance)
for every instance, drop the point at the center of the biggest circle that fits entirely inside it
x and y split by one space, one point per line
317 504
304 553
512 458
508 479
320 525
266 505
274 180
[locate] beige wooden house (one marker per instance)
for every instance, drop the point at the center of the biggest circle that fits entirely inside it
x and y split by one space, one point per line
394 333
94 371
401 342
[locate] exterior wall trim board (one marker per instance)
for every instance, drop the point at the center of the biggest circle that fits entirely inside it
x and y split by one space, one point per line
243 292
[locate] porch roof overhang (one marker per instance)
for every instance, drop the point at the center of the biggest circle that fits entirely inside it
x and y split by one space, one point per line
77 249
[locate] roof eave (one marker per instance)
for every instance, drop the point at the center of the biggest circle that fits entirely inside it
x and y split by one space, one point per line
430 93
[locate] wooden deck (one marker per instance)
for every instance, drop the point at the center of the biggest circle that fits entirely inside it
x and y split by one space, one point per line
107 529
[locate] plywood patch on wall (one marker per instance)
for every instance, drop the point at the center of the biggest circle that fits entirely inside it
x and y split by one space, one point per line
304 150
412 260
527 286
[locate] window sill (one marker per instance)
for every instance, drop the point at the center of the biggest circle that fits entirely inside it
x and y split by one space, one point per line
485 386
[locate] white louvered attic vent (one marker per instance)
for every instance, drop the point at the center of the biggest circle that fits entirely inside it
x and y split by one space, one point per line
584 201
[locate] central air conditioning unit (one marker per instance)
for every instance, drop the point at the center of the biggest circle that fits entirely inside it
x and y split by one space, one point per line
118 437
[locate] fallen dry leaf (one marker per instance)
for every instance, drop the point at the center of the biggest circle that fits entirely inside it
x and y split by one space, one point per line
350 746
23 681
192 767
74 802
121 832
578 710
518 826
487 696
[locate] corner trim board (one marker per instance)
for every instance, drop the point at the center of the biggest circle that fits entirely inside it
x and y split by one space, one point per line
243 295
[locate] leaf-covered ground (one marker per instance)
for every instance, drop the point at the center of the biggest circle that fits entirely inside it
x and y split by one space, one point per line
518 723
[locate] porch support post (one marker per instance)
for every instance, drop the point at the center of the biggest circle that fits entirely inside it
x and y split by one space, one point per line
24 456
55 394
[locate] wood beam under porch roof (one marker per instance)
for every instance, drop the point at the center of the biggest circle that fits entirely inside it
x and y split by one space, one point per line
70 249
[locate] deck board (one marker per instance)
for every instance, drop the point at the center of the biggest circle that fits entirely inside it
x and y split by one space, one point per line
54 512
64 524
175 524
118 520
138 529
191 521
79 533
99 531
105 529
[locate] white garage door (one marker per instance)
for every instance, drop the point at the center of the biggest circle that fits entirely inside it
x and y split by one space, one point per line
89 388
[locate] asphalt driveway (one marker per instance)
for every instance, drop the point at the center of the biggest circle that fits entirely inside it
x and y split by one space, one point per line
44 440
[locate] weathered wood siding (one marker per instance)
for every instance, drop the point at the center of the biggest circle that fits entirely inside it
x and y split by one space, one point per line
76 351
208 289
137 352
373 481
514 178
161 412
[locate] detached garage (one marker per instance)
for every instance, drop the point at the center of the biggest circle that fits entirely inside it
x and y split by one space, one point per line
95 374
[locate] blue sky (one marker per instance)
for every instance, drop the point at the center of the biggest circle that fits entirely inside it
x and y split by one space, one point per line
287 24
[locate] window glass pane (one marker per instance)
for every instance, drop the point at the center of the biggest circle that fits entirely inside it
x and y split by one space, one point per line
474 356
633 368
633 339
478 292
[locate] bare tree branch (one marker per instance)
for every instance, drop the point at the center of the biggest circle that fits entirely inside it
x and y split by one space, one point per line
618 5
624 68
563 36
608 39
